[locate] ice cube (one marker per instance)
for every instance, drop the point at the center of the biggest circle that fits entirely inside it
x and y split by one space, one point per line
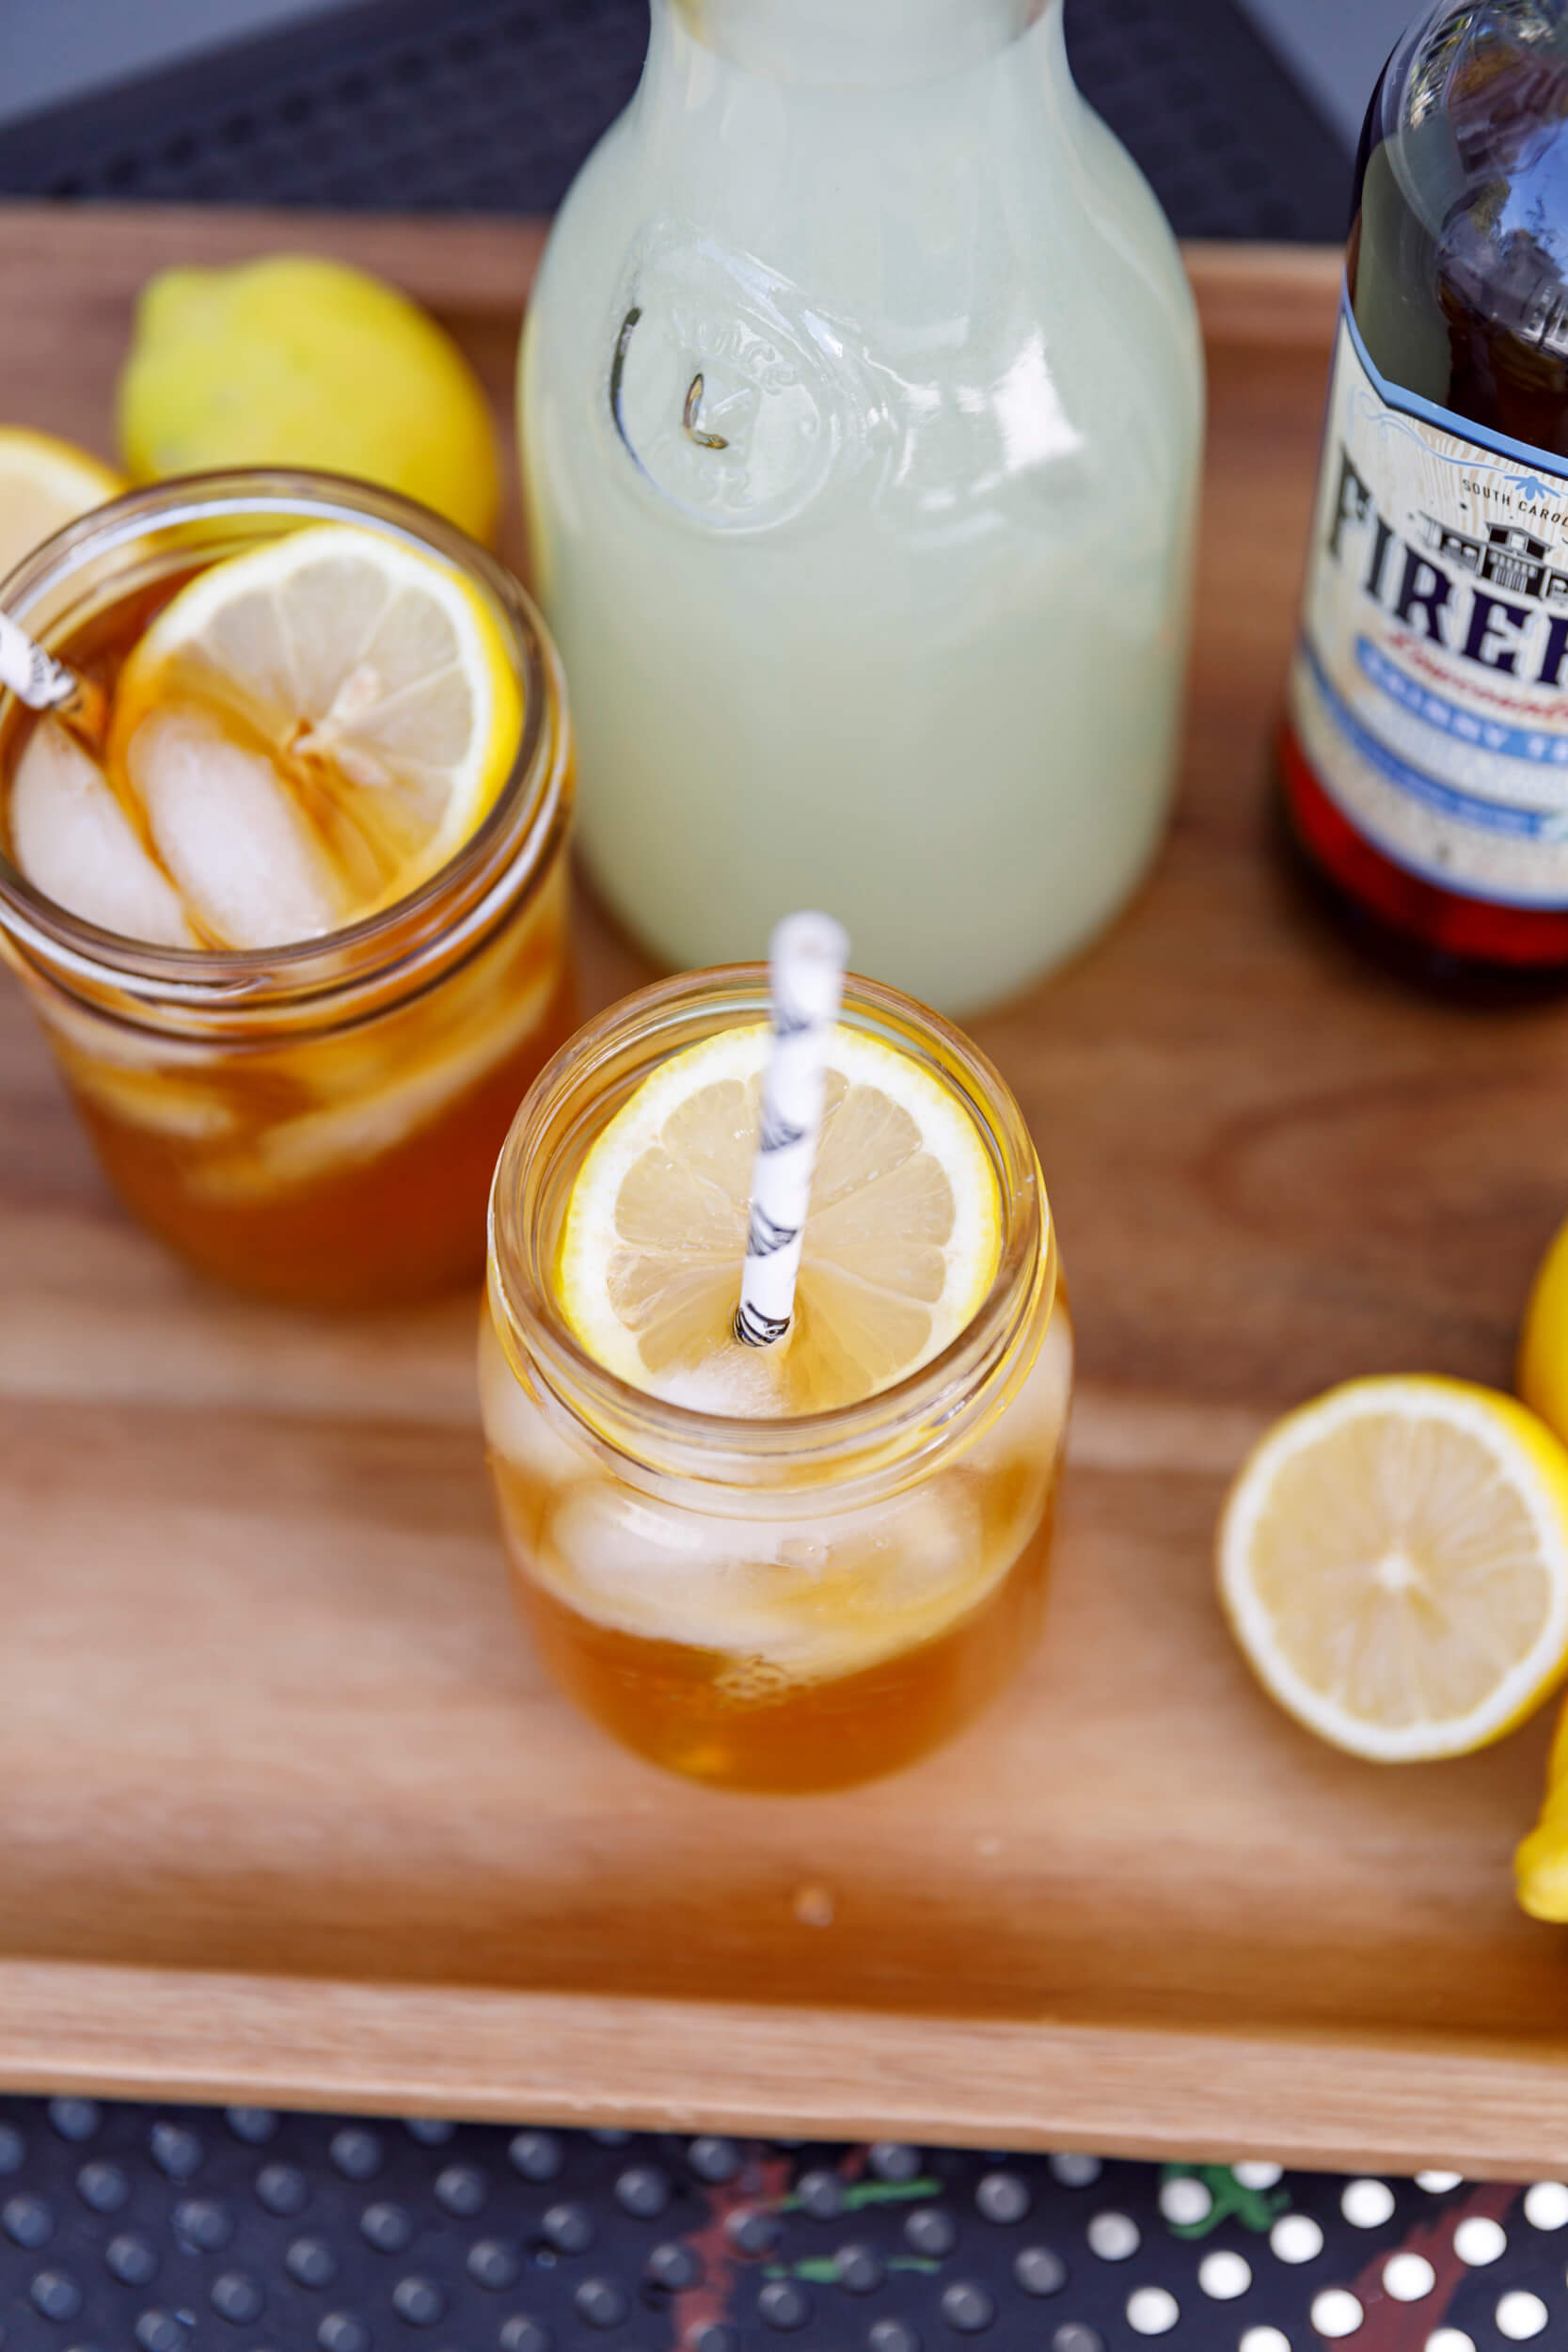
932 1544
819 1597
79 1029
74 842
227 827
191 1107
1042 1404
1029 1431
673 1575
417 1085
516 1426
736 1383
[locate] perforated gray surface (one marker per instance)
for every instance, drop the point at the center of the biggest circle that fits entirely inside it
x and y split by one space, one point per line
129 2228
491 104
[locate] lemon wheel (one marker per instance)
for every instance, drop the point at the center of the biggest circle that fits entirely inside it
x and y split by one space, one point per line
900 1244
350 702
44 484
1393 1559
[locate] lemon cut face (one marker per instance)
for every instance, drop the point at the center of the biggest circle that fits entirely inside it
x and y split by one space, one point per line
44 484
1394 1563
900 1246
367 685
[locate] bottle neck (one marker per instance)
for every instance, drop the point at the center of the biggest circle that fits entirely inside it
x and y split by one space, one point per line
848 43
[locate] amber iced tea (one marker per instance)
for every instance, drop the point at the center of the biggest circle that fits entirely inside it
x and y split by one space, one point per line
773 1604
796 1653
319 1121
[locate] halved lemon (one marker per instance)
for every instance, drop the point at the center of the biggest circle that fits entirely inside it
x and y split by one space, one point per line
900 1244
1393 1559
44 484
373 675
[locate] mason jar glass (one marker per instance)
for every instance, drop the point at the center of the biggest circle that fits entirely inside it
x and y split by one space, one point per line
319 1122
778 1604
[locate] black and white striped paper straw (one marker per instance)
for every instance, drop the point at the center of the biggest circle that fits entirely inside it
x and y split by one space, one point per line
36 679
806 958
34 676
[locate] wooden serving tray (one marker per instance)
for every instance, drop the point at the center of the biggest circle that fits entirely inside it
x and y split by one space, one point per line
287 1810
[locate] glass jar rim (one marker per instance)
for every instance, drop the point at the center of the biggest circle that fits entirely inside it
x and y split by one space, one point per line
507 853
899 1428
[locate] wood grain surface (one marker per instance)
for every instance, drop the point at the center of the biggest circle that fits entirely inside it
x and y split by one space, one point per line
287 1810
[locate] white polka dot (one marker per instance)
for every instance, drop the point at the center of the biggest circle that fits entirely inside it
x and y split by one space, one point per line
1225 2276
1152 2312
1449 2340
1112 2237
1478 2241
1546 2205
1296 2239
1184 2202
1257 2175
1074 2171
1265 2340
1408 2277
1366 2204
1438 2185
1521 2315
1336 2313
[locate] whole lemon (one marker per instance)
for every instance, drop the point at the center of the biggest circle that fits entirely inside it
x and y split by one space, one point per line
295 361
1541 1861
1542 1377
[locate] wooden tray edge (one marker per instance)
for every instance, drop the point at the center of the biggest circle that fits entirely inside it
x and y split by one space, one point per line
1325 2102
1248 294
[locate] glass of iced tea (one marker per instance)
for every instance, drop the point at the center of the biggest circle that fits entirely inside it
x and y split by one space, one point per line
800 1567
295 928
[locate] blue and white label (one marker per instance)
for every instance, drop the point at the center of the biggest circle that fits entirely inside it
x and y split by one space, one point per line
1430 690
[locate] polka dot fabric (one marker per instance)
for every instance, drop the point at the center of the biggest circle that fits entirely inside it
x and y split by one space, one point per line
176 2230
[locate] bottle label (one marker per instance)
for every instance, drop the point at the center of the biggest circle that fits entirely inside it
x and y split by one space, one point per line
1429 688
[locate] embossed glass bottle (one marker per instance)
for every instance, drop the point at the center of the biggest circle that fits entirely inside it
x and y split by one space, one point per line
860 399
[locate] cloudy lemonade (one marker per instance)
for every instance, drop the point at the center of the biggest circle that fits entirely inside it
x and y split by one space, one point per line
296 929
789 1569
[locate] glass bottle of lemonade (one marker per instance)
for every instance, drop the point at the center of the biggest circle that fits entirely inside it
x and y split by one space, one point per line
860 402
295 928
798 1566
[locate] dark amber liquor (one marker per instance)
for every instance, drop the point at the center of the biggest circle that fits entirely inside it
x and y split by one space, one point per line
1425 751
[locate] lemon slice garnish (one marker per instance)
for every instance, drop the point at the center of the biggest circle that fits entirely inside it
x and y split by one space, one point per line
44 484
374 678
1394 1562
900 1245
